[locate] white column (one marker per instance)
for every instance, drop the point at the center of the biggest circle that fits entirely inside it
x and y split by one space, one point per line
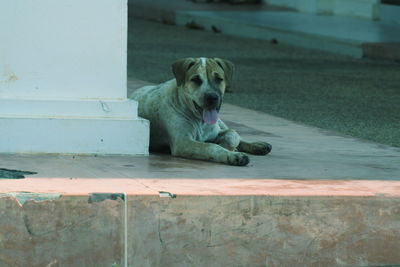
63 78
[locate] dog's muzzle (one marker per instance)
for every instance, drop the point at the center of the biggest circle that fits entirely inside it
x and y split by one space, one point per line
211 101
211 105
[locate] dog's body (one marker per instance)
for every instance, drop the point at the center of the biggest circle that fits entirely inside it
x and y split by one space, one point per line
183 114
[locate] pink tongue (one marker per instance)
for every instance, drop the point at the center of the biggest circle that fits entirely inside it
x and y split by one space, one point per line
210 116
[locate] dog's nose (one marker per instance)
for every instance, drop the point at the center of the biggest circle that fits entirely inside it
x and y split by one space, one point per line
211 99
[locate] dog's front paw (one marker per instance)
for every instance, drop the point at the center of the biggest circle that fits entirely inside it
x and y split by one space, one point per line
260 148
229 139
238 159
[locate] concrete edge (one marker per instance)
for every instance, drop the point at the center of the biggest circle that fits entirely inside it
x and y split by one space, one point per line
387 51
268 33
305 40
213 231
36 187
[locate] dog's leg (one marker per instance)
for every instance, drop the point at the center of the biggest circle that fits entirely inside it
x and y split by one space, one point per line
186 148
222 125
256 148
228 139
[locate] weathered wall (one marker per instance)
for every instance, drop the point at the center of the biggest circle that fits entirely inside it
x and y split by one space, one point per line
67 231
201 231
264 231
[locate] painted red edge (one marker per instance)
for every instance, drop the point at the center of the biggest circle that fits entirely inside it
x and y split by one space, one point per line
204 187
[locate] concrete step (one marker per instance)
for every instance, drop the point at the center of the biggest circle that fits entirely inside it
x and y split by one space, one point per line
342 35
97 125
338 34
96 135
207 222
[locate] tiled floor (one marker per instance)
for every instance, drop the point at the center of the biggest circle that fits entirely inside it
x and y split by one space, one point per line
299 152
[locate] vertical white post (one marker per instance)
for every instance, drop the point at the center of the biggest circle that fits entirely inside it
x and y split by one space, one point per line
63 78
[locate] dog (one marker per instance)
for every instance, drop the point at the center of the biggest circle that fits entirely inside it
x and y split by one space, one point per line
184 114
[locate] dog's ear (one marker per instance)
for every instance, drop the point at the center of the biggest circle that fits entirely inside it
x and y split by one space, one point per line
228 69
180 67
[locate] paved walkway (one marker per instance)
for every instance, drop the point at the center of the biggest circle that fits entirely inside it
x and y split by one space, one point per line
339 34
299 152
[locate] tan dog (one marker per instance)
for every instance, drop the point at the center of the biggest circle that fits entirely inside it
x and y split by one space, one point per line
183 114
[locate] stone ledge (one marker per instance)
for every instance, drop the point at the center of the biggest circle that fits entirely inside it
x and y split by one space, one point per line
205 187
210 222
66 231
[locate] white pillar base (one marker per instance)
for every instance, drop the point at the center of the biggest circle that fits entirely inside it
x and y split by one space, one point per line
63 79
72 126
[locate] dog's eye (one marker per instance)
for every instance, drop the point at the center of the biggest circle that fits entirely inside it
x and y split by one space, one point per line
218 79
197 80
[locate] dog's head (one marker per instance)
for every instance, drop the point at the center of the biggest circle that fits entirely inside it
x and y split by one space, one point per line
204 81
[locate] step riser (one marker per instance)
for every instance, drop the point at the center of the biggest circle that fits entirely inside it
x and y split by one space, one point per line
88 136
348 48
200 231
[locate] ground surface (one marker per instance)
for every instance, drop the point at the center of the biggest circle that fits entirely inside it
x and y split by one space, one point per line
299 152
351 96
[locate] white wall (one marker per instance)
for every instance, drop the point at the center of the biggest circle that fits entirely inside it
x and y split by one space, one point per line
63 49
